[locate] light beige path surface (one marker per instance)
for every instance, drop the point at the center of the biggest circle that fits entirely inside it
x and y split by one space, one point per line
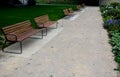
80 49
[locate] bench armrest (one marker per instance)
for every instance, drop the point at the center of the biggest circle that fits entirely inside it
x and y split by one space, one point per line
11 37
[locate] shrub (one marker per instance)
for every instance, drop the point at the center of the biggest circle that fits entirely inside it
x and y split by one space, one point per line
111 12
115 4
112 9
111 17
117 58
115 42
112 24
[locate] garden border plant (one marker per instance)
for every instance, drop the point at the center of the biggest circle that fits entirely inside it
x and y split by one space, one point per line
111 17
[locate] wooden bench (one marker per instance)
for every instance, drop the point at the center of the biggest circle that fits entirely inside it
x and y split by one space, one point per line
45 22
78 7
83 5
70 10
66 12
17 33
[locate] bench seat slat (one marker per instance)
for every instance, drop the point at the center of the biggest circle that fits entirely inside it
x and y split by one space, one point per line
18 32
44 21
47 24
21 30
27 34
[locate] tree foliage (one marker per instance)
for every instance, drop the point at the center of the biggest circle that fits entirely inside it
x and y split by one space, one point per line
31 2
9 2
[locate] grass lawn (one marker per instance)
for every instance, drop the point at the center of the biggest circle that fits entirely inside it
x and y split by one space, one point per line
9 16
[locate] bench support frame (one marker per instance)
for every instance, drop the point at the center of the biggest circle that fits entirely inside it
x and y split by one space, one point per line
4 45
20 42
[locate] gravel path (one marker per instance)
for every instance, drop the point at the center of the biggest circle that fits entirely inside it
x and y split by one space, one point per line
81 49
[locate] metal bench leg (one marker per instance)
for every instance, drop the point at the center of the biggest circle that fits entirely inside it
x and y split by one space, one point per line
56 26
11 52
38 35
20 47
4 44
42 33
45 32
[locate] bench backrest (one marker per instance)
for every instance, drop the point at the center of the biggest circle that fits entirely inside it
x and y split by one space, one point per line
17 28
41 19
66 12
70 10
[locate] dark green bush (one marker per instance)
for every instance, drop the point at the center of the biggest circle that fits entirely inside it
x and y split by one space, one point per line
117 59
115 4
112 9
115 40
112 24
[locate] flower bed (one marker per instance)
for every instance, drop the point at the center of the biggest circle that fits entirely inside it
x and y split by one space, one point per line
111 17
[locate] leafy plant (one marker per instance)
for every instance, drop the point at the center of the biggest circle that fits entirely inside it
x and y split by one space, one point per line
112 24
115 4
115 41
117 59
111 17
